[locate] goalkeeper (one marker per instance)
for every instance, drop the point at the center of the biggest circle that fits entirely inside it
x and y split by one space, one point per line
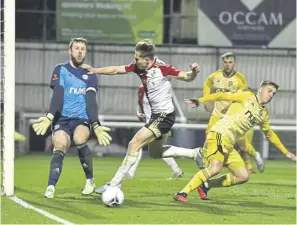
73 111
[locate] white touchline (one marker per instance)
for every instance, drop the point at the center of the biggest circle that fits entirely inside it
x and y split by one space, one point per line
41 211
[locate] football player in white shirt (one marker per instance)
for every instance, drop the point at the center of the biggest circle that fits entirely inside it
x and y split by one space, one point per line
153 74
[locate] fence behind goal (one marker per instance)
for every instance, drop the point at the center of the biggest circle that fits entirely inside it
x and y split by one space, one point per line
184 135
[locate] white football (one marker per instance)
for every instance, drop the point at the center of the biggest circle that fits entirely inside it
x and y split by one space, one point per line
112 197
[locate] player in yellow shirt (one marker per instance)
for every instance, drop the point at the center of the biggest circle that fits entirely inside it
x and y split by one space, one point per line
229 80
247 111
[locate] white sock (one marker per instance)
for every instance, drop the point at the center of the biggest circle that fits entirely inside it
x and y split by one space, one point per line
172 151
172 164
127 163
133 168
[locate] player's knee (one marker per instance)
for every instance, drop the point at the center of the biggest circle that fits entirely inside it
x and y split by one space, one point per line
79 140
60 145
215 168
134 145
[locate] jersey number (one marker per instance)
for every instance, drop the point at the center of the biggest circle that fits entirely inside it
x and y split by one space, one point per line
250 117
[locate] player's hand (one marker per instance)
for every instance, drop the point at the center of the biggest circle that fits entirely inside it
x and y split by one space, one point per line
195 67
42 124
291 156
140 116
103 137
91 69
192 101
86 66
208 106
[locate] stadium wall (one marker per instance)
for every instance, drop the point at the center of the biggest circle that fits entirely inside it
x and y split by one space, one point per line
117 95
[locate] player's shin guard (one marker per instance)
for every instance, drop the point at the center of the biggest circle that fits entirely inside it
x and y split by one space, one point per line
85 157
128 162
226 180
56 167
197 180
132 170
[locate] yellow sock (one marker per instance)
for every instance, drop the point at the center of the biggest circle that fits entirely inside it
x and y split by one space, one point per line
226 180
248 164
197 180
251 150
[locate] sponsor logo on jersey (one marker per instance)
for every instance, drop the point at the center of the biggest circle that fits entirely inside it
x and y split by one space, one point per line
77 91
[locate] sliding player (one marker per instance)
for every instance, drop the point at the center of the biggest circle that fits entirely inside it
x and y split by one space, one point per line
228 80
247 111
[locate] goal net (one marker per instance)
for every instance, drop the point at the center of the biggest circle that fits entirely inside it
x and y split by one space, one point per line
7 96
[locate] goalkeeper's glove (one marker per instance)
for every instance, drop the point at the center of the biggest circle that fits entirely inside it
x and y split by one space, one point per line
42 124
102 136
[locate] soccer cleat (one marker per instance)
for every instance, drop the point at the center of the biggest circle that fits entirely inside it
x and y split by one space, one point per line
50 191
259 162
103 188
199 158
251 170
181 197
175 176
202 191
89 187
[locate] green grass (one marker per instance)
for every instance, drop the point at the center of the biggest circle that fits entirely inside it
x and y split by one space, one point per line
267 198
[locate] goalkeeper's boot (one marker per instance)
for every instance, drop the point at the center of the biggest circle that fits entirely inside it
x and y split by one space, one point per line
181 197
199 158
259 162
89 187
175 176
202 191
103 188
50 191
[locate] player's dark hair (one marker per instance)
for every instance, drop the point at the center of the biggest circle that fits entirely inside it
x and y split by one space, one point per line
266 83
228 55
78 39
146 48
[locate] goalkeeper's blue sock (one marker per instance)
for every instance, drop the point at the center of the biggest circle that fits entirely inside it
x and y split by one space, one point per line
85 157
56 167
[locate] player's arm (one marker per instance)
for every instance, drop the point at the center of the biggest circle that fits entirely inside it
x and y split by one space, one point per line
243 85
139 109
207 91
56 103
208 85
139 113
190 75
274 139
92 112
111 70
234 97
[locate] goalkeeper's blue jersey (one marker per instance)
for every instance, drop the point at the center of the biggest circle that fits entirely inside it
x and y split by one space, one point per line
75 82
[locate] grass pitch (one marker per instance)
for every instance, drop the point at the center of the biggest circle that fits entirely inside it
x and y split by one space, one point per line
267 198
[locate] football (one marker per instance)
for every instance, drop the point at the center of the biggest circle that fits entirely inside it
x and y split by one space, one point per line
113 197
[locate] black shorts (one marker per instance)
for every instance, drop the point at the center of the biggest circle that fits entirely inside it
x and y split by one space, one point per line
161 123
69 125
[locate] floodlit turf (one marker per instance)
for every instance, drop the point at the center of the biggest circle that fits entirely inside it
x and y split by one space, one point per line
267 198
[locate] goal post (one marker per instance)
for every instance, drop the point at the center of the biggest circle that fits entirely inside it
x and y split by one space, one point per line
9 97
